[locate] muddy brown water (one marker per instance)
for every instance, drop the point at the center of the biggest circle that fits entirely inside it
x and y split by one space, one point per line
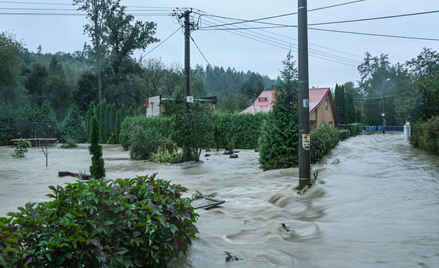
375 204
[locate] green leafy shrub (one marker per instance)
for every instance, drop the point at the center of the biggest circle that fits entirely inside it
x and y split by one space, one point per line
140 222
425 135
143 142
345 134
111 139
162 126
323 140
164 156
70 143
21 147
353 128
194 130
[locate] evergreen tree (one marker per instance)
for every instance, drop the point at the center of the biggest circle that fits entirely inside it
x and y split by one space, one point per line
107 127
339 102
97 169
102 109
72 126
278 144
112 119
349 113
90 113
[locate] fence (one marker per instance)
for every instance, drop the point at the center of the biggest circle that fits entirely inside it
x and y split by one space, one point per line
380 128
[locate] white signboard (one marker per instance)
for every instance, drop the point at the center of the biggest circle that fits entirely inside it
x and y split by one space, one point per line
190 99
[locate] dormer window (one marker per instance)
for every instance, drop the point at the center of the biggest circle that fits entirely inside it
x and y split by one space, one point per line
263 99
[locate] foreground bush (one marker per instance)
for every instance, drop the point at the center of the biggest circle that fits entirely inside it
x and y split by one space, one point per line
323 140
425 135
140 222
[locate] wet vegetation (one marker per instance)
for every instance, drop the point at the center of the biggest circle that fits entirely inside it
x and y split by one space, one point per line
139 222
425 135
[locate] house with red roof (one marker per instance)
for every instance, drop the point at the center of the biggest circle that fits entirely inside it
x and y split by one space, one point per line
321 106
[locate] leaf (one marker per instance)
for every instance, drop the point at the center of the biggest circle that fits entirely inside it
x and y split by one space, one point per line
121 251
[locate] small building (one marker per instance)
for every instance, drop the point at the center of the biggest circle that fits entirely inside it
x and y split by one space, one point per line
154 105
321 106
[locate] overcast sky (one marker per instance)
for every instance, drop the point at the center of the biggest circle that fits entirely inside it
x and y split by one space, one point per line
333 57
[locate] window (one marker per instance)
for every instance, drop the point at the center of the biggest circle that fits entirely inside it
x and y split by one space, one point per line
263 99
330 123
326 104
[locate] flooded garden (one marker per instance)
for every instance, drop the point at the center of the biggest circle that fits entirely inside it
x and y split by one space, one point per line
375 203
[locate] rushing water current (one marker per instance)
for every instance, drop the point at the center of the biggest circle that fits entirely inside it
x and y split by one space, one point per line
376 203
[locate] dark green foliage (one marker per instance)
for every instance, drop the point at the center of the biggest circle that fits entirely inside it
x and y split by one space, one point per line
90 113
353 128
323 140
21 148
140 222
6 128
243 129
339 102
97 169
425 135
72 126
349 112
107 122
102 107
345 134
278 144
86 91
161 125
194 130
112 119
143 142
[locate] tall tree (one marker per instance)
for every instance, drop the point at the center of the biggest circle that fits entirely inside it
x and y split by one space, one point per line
279 140
10 57
153 74
339 102
349 112
97 11
86 91
123 36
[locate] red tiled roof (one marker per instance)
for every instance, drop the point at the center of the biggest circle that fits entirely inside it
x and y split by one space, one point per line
264 103
316 96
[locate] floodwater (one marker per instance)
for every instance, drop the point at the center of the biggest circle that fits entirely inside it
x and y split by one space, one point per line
375 204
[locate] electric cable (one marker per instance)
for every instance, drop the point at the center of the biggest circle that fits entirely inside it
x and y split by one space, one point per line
163 41
213 69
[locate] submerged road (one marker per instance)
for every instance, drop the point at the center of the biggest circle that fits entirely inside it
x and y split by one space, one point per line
381 206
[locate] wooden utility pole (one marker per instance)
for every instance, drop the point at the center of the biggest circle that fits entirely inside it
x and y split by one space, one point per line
304 136
187 75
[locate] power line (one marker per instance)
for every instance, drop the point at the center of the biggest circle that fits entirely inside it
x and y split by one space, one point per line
375 18
210 64
279 16
379 35
284 45
163 41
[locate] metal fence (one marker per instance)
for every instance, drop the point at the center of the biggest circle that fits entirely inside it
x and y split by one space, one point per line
380 128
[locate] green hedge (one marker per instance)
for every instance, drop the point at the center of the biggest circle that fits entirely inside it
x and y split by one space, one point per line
161 125
141 222
323 140
353 128
345 134
241 129
425 135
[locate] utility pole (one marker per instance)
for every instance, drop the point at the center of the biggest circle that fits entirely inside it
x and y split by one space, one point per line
187 75
304 137
384 106
188 27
